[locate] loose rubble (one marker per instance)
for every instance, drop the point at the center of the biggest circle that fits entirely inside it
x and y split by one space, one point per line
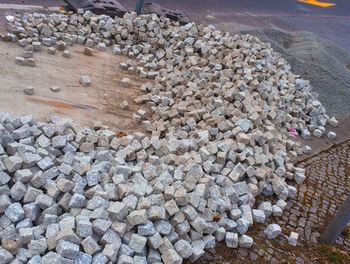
124 105
29 90
85 80
125 82
293 239
51 50
55 88
221 107
67 54
272 231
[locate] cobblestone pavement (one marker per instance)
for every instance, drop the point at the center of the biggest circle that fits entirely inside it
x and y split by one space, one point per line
318 199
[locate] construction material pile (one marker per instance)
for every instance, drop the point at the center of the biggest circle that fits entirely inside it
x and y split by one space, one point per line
221 108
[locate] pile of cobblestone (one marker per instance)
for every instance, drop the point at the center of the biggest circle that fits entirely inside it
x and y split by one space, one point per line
221 108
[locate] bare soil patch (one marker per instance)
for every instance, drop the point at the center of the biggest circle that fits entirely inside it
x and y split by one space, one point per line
85 105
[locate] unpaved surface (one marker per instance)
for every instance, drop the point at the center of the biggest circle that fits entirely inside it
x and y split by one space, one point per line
85 105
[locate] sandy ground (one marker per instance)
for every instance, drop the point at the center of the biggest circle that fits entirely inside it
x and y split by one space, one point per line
85 105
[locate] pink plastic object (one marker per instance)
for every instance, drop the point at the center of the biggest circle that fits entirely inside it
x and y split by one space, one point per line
293 133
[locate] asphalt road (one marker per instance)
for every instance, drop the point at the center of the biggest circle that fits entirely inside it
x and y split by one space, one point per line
272 7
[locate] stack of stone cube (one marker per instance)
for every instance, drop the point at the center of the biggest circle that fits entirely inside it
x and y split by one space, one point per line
219 111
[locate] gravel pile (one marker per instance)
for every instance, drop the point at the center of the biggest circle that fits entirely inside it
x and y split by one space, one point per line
221 109
323 62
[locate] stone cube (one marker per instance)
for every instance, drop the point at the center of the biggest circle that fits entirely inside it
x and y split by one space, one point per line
5 256
15 212
293 239
85 80
90 245
171 257
137 217
67 249
125 82
245 241
137 243
272 231
231 240
184 248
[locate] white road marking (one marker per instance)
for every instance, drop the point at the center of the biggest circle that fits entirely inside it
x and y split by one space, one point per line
21 7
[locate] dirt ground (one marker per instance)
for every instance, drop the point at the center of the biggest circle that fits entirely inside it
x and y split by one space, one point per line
85 105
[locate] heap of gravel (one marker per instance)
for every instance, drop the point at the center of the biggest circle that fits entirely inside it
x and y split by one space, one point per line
221 107
321 61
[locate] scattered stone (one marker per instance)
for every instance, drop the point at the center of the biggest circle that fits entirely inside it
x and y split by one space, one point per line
277 211
267 208
88 51
29 90
216 141
15 212
242 225
36 45
259 216
37 247
137 243
281 204
51 50
307 149
4 178
183 248
231 240
137 217
125 82
317 133
55 88
10 245
124 105
306 134
101 46
90 245
85 80
171 256
66 54
30 62
5 256
299 175
331 135
272 231
333 122
293 239
245 241
67 249
20 61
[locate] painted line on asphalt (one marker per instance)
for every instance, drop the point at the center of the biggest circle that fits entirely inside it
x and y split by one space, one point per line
21 7
54 8
317 3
